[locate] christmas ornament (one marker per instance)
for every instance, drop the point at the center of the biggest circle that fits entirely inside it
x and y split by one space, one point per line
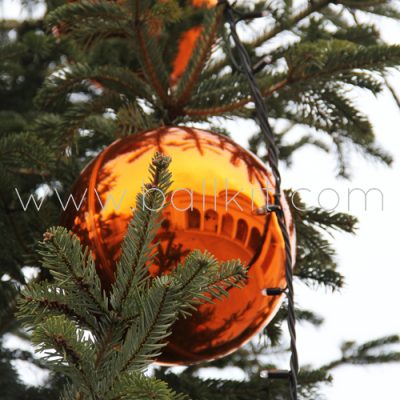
217 188
187 43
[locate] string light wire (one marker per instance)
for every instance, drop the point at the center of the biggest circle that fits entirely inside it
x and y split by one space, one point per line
232 18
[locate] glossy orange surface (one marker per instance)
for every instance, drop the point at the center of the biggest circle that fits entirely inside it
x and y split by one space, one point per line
217 185
187 43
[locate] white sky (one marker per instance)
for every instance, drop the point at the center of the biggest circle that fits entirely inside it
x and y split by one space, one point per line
368 307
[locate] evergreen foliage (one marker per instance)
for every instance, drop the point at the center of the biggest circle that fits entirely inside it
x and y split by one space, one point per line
102 341
91 72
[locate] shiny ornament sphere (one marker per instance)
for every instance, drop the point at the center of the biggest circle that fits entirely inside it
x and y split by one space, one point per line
217 186
187 43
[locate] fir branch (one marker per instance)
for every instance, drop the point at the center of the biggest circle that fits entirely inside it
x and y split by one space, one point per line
88 23
329 61
66 129
44 299
140 387
373 352
81 76
203 279
62 255
150 58
137 248
226 109
21 150
313 273
73 353
324 219
219 90
313 6
315 262
202 50
147 336
131 118
273 331
328 58
393 92
255 387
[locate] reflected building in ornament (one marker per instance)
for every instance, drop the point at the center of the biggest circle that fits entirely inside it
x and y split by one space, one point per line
206 213
210 224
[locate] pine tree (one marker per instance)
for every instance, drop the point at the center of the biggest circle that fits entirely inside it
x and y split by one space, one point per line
106 74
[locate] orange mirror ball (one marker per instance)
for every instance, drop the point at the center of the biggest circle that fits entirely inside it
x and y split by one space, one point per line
217 185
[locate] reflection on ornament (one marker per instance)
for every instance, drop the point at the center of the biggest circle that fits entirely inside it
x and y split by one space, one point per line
216 186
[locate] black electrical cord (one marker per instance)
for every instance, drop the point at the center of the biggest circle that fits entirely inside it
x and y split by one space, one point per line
232 18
